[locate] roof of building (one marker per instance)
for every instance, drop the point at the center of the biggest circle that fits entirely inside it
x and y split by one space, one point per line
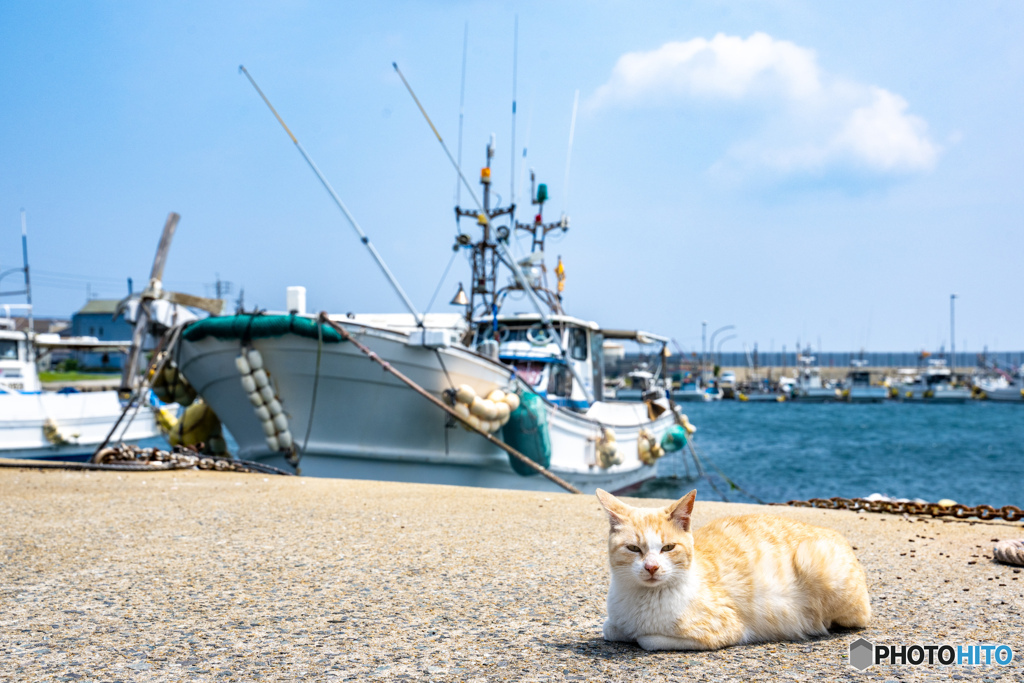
107 306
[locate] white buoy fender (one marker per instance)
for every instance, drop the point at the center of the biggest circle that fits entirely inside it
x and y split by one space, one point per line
255 359
243 365
263 413
260 376
248 383
476 407
274 406
269 428
273 444
462 409
503 411
497 396
281 422
465 394
267 393
490 410
256 399
285 439
474 421
512 400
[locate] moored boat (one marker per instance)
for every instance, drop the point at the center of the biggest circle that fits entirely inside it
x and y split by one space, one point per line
57 425
290 389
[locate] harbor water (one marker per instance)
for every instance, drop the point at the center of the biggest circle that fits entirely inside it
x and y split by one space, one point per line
972 453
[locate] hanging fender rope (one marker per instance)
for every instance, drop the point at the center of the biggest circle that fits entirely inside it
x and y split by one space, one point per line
440 404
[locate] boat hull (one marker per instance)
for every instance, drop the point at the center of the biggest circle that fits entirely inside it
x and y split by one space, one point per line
366 424
867 394
83 420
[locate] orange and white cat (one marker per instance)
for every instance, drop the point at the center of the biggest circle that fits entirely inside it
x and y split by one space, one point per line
735 580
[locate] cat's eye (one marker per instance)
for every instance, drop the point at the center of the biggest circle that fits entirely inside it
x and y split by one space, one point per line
632 548
668 548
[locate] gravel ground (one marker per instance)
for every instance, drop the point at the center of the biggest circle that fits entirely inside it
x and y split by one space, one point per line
208 576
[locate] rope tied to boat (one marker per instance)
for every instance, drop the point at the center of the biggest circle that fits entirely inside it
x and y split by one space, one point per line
1009 552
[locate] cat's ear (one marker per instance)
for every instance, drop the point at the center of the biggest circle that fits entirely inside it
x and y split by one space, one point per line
680 511
617 510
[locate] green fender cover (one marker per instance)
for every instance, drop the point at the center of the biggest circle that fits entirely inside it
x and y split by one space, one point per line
527 432
257 327
674 439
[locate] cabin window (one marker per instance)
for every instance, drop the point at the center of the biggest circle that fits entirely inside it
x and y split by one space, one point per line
578 343
597 353
560 381
8 349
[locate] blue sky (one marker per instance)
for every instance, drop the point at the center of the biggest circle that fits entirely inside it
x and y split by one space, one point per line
801 170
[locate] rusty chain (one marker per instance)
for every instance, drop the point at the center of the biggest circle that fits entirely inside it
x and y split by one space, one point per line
1010 513
180 458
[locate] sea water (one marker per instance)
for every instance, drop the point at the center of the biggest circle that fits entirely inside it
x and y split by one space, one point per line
972 453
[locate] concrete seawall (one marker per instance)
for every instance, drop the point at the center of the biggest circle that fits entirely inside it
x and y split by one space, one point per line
207 576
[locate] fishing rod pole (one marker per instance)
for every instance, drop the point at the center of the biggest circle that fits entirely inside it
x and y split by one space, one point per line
512 147
499 246
462 102
341 205
568 155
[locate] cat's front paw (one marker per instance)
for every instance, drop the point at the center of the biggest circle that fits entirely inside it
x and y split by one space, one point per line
614 634
651 643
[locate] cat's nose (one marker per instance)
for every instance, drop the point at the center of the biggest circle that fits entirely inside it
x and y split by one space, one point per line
651 567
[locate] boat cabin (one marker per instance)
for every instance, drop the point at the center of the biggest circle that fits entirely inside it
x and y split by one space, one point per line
574 379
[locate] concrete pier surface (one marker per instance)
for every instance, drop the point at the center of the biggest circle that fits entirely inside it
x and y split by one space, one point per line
209 576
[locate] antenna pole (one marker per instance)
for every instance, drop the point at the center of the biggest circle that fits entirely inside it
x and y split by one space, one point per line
341 205
28 281
568 155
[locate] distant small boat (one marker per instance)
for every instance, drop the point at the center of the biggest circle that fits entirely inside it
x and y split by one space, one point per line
809 387
1001 386
857 387
933 385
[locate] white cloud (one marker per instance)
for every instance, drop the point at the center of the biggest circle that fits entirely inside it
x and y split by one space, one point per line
812 121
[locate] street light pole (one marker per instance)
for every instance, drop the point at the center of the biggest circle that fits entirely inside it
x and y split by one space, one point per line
703 351
952 337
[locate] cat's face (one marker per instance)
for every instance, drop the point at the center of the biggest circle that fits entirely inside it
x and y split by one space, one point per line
649 547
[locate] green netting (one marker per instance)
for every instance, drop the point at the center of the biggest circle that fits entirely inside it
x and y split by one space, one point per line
527 432
674 439
258 326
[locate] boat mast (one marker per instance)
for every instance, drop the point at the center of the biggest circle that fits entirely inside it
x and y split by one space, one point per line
484 257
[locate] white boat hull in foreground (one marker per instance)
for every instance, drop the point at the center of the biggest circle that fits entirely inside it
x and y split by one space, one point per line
366 424
76 423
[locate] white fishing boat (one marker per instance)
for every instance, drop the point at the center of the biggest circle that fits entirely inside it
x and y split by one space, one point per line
857 388
1001 386
292 390
808 387
934 384
57 425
